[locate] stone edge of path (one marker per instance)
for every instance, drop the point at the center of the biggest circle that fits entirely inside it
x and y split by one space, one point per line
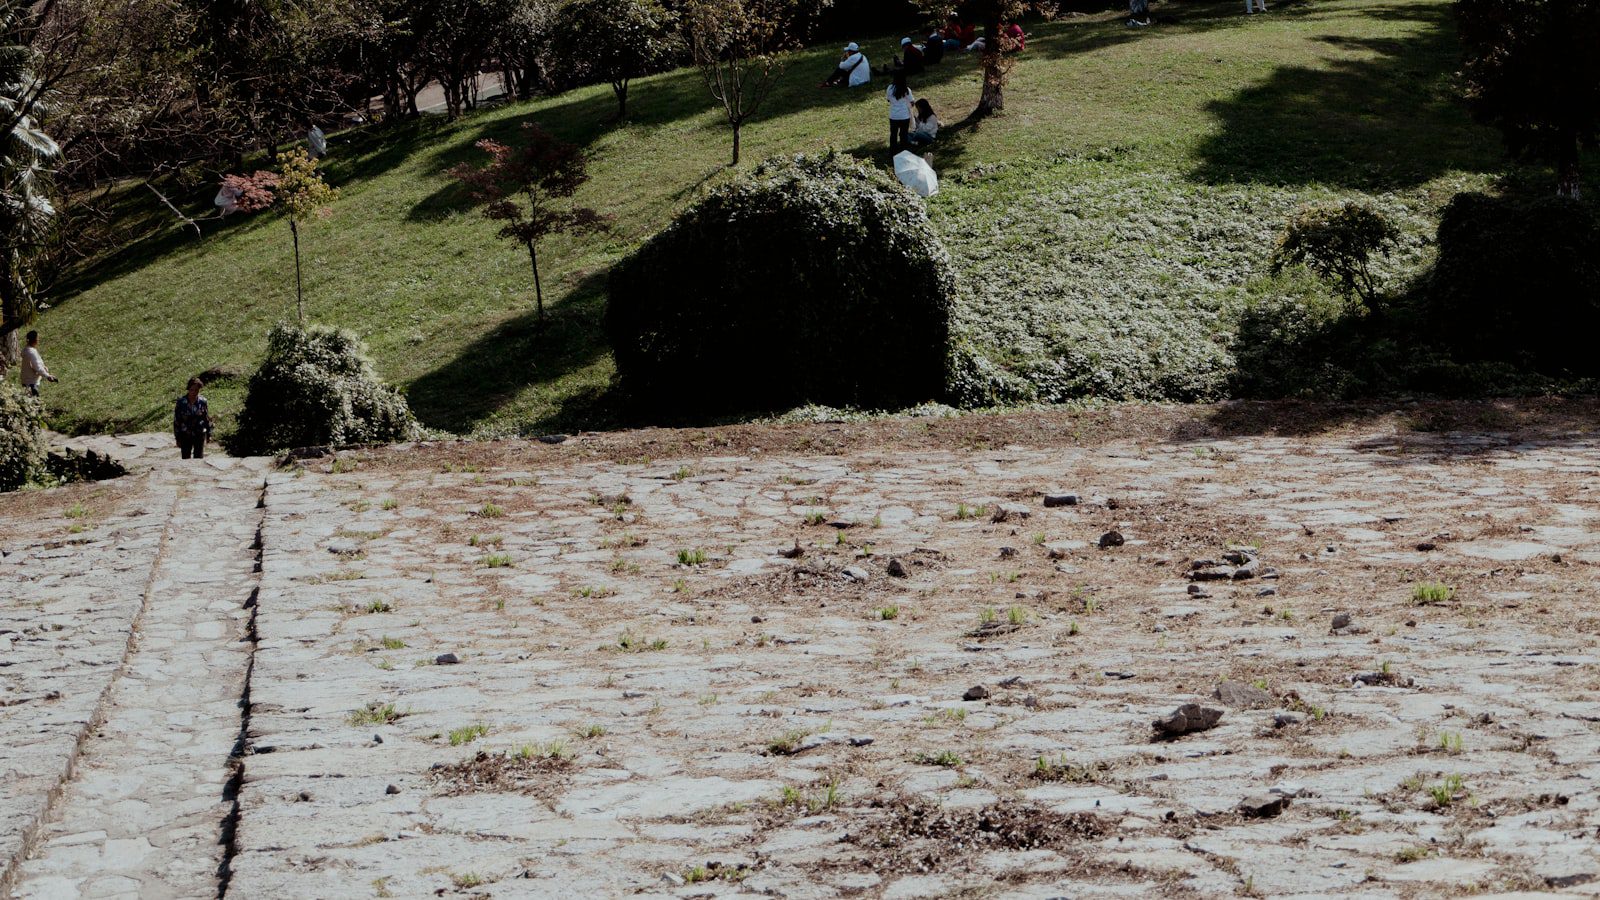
32 831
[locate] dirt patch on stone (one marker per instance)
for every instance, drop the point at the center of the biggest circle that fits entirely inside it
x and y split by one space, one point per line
498 772
915 835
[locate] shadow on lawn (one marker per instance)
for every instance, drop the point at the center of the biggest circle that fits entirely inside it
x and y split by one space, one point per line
516 355
1387 119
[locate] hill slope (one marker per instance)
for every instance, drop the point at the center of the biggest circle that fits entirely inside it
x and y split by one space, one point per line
1110 226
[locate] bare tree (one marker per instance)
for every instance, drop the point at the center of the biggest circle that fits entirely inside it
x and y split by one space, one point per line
740 48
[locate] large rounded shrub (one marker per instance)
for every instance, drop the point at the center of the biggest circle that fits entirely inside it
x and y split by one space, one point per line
1518 280
21 437
317 388
813 280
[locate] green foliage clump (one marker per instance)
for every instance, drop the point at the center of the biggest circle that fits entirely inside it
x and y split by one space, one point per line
317 388
21 437
1518 281
813 280
1337 242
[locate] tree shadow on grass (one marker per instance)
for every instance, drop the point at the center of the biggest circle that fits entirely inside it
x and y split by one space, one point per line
1388 120
516 355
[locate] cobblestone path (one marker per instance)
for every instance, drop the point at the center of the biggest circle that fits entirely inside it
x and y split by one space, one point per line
149 659
527 671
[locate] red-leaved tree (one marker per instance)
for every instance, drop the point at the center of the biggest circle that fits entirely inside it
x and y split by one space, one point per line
521 186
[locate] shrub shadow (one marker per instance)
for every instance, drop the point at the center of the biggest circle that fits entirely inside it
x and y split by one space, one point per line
517 354
1385 121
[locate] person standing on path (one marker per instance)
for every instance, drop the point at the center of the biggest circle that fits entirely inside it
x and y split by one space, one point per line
900 100
191 421
33 367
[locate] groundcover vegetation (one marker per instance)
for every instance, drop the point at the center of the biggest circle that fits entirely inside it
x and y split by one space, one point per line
1088 277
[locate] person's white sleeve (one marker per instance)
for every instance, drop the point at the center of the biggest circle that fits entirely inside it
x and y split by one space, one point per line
37 362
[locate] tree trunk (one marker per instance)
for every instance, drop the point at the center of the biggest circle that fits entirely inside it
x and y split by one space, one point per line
538 289
738 127
1568 173
994 72
994 88
11 320
299 293
621 88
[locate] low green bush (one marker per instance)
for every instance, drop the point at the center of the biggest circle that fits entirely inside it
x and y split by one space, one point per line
813 280
1518 281
1337 241
22 449
317 388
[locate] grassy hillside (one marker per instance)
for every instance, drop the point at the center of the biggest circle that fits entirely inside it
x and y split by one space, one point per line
1110 226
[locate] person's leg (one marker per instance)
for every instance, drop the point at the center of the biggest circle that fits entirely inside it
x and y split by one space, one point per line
200 448
185 447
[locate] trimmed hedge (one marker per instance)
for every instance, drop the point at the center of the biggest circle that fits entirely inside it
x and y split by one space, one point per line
21 437
1518 280
317 388
813 280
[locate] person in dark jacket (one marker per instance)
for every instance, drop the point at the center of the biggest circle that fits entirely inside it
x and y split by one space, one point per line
191 421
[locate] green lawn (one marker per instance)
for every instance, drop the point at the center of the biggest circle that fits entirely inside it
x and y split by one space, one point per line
1110 227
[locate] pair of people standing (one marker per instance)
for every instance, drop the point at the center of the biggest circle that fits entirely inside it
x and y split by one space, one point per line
191 414
912 122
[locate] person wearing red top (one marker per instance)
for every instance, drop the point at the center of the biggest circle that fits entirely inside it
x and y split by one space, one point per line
958 35
1012 38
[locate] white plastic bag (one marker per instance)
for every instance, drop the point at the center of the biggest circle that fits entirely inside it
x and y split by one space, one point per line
915 173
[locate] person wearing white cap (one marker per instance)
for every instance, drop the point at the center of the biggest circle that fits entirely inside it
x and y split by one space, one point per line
853 68
914 60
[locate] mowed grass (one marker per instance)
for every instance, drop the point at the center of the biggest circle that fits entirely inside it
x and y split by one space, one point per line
1110 226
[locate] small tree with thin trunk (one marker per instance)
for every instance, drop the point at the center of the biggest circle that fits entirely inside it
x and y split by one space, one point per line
520 186
619 40
303 195
298 189
1532 69
739 47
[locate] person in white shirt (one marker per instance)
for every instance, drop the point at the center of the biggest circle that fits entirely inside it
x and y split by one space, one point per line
924 127
853 68
900 101
33 368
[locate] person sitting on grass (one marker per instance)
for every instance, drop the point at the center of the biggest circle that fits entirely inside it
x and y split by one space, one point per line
1012 40
958 35
1138 12
924 125
912 63
853 68
933 50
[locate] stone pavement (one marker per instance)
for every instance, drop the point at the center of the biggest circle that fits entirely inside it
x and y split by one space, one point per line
887 673
147 686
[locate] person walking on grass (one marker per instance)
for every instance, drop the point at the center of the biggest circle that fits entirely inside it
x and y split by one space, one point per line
191 421
33 368
900 101
1251 6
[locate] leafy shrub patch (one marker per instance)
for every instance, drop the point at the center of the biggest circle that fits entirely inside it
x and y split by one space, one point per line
21 437
814 280
317 387
1518 281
